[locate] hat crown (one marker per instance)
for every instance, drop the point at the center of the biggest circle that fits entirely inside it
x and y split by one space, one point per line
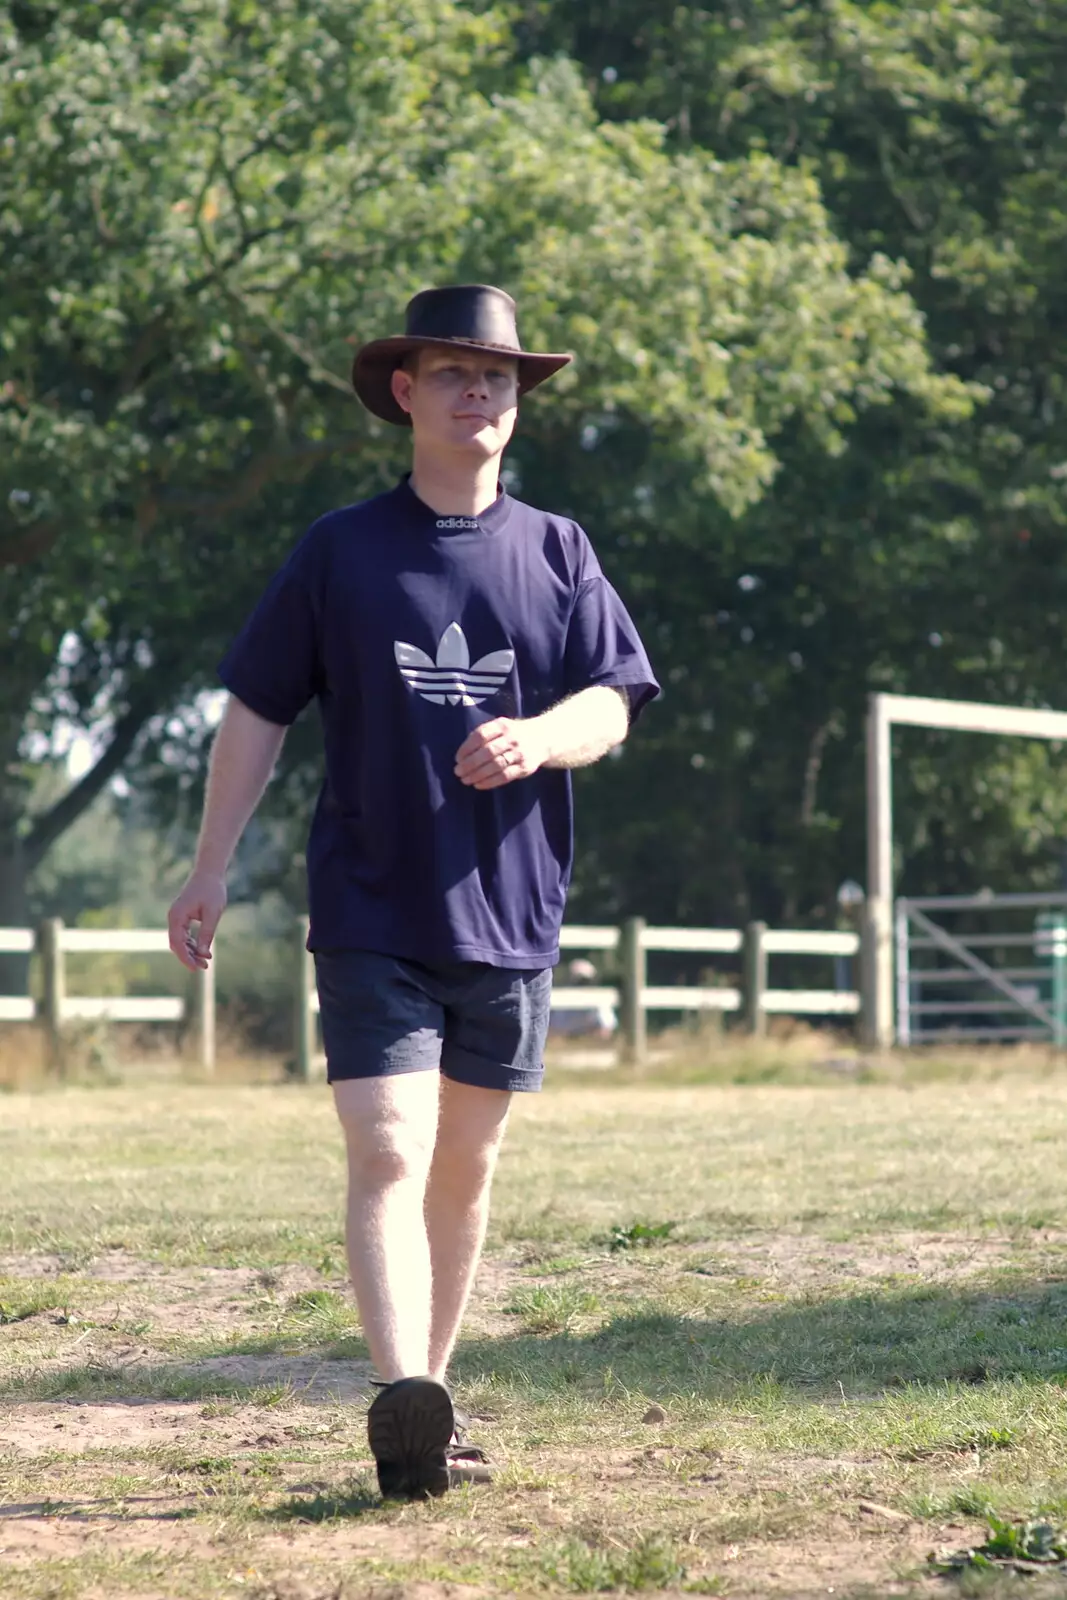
469 311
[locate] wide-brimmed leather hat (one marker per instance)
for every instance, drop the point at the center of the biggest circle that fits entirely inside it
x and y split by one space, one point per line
466 316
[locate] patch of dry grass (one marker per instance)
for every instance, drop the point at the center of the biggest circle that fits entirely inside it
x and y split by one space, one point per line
848 1345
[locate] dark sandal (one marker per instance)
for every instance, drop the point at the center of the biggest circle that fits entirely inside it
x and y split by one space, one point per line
410 1426
467 1463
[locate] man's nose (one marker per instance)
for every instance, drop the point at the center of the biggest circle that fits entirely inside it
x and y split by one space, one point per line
477 386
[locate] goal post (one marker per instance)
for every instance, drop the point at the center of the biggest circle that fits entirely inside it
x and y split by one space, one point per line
886 711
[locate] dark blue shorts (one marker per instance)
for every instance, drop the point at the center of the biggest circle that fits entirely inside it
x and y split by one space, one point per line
480 1025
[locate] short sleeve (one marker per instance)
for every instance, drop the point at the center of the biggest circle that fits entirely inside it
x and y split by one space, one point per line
604 647
273 666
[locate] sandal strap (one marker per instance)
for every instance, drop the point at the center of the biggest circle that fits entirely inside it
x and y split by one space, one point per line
465 1452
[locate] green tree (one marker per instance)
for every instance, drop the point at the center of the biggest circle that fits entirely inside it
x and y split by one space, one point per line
218 200
923 559
185 190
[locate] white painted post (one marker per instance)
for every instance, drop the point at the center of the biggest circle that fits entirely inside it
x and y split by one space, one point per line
755 980
876 959
879 800
633 1016
903 975
878 945
54 964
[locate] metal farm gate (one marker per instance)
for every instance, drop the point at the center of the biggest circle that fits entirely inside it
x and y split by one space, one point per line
981 966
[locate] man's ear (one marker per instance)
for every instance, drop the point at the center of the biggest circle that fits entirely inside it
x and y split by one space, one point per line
401 383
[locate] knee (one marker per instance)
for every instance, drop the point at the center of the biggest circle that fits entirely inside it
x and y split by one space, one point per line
465 1166
384 1156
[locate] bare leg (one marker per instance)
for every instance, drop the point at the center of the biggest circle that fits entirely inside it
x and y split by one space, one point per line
389 1126
469 1134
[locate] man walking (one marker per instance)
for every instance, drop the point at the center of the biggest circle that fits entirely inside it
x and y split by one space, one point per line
465 651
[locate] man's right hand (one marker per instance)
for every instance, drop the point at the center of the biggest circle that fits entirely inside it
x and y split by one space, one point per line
201 903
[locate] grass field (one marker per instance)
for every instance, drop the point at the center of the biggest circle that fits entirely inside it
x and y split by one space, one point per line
745 1340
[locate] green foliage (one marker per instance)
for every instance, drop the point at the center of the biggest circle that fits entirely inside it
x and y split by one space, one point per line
923 559
205 199
216 202
979 1439
639 1234
1019 1545
809 258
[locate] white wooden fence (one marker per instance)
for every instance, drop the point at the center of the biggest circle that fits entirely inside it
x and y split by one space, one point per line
749 993
53 942
17 1007
633 996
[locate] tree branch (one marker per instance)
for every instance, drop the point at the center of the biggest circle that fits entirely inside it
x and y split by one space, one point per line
316 371
58 818
148 337
144 347
146 701
104 228
235 196
812 769
885 160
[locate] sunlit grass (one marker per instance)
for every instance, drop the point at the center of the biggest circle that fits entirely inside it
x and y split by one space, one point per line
716 1322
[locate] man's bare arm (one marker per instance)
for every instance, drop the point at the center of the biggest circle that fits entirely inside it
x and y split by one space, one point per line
242 760
580 730
574 733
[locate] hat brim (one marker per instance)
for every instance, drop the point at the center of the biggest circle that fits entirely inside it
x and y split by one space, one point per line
375 363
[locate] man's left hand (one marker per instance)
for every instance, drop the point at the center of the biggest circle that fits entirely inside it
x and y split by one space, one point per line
499 752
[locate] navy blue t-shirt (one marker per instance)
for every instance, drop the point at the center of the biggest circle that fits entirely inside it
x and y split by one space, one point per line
412 629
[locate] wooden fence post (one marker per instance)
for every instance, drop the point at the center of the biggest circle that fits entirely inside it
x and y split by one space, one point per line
876 966
755 980
54 967
203 1002
634 971
304 1018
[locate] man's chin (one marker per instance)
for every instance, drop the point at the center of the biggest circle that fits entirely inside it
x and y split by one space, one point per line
483 442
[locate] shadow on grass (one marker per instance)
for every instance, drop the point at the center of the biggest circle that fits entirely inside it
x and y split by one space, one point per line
326 1506
865 1343
103 1509
356 1501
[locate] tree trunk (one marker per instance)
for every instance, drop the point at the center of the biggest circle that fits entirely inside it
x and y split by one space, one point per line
21 853
14 913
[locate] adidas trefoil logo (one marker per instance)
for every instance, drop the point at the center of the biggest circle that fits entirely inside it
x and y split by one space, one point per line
451 680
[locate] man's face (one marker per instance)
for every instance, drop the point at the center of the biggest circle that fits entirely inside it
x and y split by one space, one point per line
460 401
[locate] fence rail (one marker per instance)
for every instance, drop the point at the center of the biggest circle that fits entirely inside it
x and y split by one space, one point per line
634 997
53 942
748 993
